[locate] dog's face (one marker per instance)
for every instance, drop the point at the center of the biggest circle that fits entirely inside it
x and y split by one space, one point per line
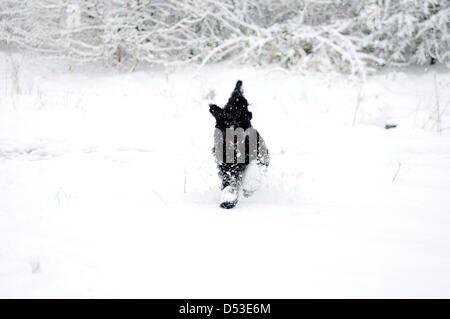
235 113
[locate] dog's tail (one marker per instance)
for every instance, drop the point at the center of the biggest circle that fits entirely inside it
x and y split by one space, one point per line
238 87
237 99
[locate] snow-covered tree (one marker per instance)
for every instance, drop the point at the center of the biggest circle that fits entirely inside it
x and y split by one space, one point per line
409 31
345 35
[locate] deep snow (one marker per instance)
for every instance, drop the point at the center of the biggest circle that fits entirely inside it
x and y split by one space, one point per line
108 187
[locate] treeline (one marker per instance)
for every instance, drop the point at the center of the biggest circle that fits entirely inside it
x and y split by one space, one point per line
350 36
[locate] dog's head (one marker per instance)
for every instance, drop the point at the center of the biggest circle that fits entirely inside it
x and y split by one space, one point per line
235 113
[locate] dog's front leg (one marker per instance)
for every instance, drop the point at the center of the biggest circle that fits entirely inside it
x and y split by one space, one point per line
231 175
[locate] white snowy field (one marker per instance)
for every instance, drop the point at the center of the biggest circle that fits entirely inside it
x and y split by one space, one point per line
108 187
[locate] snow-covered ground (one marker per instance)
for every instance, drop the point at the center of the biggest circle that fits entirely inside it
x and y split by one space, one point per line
108 187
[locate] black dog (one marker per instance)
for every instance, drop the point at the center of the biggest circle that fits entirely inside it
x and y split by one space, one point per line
236 145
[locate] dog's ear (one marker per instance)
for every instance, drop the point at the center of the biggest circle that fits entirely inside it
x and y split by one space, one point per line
216 111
